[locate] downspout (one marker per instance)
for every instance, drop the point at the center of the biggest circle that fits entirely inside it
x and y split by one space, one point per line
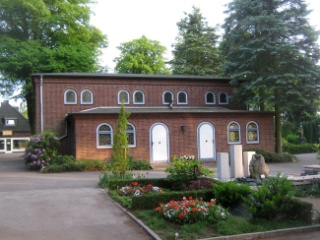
41 104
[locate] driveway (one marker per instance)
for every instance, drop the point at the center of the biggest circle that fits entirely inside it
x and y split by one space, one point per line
58 206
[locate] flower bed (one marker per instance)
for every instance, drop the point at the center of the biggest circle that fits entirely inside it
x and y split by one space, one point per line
135 189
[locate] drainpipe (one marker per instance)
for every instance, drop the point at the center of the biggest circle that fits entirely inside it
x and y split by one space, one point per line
41 104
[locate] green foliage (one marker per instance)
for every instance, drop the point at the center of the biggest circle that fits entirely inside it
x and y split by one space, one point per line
271 199
62 159
271 157
46 36
66 167
292 138
114 180
229 194
299 148
182 170
139 164
120 147
93 165
141 56
195 52
310 190
40 150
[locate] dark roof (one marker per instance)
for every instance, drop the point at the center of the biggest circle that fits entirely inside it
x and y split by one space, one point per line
130 76
149 110
8 112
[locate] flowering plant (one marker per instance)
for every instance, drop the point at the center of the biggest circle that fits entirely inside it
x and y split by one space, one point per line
190 211
135 189
40 150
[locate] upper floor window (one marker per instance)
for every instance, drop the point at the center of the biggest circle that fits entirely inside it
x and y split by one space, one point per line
252 131
86 97
10 122
223 98
210 98
138 97
123 97
70 97
167 97
234 136
104 136
182 98
131 135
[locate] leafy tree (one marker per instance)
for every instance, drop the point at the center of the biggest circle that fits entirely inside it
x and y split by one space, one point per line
141 56
270 48
45 36
196 51
120 144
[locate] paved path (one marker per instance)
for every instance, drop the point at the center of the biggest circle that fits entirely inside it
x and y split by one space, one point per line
64 206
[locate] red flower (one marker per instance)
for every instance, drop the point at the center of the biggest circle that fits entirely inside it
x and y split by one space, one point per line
149 185
135 183
190 198
180 215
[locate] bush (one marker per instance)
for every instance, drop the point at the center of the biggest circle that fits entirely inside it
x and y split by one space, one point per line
271 199
62 159
183 170
67 167
271 157
93 165
292 138
139 164
299 148
40 150
229 194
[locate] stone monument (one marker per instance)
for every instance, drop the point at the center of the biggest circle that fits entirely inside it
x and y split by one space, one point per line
258 166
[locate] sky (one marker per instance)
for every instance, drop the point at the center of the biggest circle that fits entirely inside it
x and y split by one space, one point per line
125 20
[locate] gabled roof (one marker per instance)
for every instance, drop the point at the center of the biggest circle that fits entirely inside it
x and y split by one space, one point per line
7 112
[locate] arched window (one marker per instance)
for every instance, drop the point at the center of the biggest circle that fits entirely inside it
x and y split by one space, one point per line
223 98
182 97
86 97
131 133
123 97
138 97
70 97
252 132
210 98
234 136
167 97
104 136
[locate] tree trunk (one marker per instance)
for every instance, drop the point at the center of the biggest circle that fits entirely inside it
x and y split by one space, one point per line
278 126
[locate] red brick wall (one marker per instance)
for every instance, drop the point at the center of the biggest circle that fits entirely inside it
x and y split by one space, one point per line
181 143
105 93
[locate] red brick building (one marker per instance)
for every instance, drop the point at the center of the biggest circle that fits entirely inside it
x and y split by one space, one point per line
170 115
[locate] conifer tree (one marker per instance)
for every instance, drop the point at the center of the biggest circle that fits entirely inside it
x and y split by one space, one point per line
195 52
270 48
120 147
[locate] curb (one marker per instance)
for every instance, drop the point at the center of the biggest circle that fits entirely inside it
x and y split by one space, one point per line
138 221
268 234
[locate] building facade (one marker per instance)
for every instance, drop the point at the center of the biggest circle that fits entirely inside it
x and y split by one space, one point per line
169 115
14 129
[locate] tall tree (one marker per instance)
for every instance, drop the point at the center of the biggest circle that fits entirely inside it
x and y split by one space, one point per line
120 147
141 56
45 36
270 48
196 51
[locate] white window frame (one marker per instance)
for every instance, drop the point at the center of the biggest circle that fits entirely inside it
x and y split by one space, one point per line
134 97
214 98
104 132
163 97
91 94
182 103
234 130
134 135
128 99
252 129
65 96
10 121
227 98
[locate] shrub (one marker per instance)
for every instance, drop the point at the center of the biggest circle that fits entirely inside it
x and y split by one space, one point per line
40 150
136 189
271 199
229 194
62 159
271 157
67 167
139 164
183 169
93 165
292 138
299 148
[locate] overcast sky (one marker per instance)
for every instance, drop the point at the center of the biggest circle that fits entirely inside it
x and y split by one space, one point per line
125 20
